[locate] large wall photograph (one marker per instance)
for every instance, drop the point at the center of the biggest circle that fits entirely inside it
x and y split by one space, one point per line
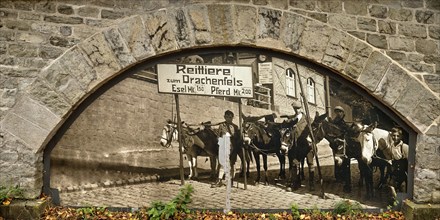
302 138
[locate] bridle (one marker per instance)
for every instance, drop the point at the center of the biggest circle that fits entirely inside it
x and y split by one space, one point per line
169 129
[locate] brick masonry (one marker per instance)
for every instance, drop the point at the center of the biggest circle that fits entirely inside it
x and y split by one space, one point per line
55 54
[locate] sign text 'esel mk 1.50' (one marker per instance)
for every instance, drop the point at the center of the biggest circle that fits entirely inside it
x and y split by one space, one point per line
201 79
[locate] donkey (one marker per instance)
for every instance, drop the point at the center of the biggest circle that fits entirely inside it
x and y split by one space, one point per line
190 147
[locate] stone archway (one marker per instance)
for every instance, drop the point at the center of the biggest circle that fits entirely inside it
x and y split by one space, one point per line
77 73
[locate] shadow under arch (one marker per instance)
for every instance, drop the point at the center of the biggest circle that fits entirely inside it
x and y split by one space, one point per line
292 58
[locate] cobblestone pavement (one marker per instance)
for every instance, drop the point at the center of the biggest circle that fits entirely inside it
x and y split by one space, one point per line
265 197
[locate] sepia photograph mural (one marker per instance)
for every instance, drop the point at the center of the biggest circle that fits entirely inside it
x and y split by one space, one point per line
243 130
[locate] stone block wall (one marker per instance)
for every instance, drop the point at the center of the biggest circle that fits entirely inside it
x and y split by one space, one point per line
53 54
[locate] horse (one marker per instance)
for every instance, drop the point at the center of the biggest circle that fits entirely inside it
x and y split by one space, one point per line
298 142
191 149
261 143
374 141
356 144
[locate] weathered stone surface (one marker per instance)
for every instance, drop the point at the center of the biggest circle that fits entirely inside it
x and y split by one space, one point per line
356 7
34 112
66 30
400 14
63 83
200 23
6 13
372 74
119 48
426 155
6 4
387 27
338 49
33 38
110 14
433 4
65 9
379 41
7 35
87 11
392 84
397 56
136 37
29 16
99 52
367 24
30 133
307 5
292 27
23 50
74 61
357 59
64 20
22 5
269 22
433 81
179 22
46 7
426 111
45 28
378 11
220 18
26 170
24 209
342 22
402 44
160 31
409 97
358 34
45 95
329 6
425 17
427 47
319 16
434 32
419 67
63 41
49 52
309 46
413 30
17 25
245 23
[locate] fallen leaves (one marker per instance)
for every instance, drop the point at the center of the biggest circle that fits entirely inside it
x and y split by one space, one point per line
59 212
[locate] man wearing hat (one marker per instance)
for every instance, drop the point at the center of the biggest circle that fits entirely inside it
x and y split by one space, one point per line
339 121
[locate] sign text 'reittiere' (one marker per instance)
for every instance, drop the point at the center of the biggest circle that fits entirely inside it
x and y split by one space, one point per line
201 79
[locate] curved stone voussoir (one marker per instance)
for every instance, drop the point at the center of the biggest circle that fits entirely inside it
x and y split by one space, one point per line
376 67
104 61
136 38
159 30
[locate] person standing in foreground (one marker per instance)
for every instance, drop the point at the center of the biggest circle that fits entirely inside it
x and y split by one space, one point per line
336 146
228 127
397 153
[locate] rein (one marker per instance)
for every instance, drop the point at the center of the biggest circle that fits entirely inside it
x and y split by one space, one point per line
170 133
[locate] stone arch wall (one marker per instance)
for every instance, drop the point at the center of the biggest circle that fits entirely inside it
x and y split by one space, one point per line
61 86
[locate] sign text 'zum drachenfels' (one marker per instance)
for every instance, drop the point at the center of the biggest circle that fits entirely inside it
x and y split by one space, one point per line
202 79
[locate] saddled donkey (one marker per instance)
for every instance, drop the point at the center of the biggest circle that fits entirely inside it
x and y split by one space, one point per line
299 148
262 143
190 147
